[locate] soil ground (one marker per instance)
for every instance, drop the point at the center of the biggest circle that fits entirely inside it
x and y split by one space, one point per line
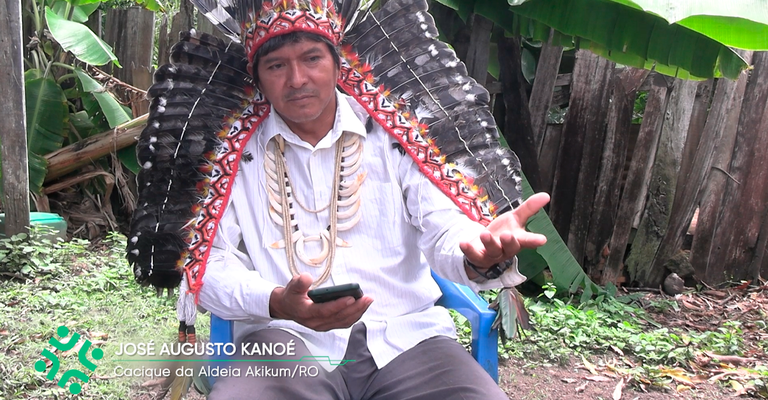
605 376
694 312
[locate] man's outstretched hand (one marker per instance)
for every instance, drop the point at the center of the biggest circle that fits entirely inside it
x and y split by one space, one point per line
292 302
505 236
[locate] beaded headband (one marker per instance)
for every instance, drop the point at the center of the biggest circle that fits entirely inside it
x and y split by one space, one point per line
283 17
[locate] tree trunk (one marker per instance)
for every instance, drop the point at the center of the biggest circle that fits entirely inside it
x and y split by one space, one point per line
13 128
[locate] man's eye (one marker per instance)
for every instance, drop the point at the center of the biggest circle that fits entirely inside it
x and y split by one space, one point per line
274 67
314 58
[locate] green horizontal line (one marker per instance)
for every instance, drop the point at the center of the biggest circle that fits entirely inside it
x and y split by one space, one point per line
304 358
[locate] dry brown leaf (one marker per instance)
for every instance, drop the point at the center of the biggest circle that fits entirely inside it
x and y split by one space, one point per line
617 350
678 374
735 360
597 378
98 335
738 387
618 389
691 306
589 366
581 388
569 380
5 332
73 350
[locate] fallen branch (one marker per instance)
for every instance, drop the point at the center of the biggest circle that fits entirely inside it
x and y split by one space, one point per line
69 159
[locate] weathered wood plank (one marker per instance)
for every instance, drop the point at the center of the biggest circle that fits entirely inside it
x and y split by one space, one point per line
543 88
711 196
661 193
594 142
13 131
701 105
625 83
479 43
745 196
585 122
163 42
644 151
548 156
700 153
130 32
517 118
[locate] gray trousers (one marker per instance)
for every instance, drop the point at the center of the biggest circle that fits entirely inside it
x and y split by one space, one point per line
436 369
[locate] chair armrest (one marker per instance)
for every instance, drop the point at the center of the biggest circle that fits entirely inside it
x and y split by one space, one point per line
485 339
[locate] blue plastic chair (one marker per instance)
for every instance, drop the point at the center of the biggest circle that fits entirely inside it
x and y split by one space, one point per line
458 297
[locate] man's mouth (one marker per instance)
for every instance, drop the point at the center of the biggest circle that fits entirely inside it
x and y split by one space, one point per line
299 97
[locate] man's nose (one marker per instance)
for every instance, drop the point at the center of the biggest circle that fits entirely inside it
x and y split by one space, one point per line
297 75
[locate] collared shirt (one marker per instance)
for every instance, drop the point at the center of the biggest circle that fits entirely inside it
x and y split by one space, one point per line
407 225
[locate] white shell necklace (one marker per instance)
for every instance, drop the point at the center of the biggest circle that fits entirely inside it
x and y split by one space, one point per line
344 204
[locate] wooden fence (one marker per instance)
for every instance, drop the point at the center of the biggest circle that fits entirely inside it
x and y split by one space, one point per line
623 196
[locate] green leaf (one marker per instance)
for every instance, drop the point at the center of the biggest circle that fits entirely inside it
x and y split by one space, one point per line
128 157
80 13
79 39
47 115
114 112
626 33
151 5
567 274
528 65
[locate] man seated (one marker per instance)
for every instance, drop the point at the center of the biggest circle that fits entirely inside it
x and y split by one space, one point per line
327 197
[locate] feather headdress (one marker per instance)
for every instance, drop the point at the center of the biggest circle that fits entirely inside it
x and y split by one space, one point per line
206 107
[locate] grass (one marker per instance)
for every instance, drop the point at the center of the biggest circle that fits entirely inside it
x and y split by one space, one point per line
91 290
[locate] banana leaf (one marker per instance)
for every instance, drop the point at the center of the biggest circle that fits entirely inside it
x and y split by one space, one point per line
47 119
79 39
112 110
625 34
567 274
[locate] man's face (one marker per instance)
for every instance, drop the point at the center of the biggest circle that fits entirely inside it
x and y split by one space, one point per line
299 80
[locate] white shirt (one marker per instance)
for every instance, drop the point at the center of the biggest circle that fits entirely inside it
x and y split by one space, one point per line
407 225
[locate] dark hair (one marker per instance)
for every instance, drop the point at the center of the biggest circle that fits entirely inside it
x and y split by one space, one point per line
277 42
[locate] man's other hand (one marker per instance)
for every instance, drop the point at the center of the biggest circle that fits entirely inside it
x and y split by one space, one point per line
292 302
505 236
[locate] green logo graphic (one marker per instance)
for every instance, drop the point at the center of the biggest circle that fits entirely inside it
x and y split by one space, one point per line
42 365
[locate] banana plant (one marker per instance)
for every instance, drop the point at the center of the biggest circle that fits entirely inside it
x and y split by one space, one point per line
57 87
683 38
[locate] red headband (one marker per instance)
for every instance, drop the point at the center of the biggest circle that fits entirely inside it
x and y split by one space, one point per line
286 16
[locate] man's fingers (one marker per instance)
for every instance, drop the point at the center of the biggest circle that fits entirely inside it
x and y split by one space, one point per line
531 240
299 284
510 243
493 246
339 313
470 251
531 207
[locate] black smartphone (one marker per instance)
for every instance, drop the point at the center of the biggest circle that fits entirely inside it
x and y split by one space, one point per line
331 293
